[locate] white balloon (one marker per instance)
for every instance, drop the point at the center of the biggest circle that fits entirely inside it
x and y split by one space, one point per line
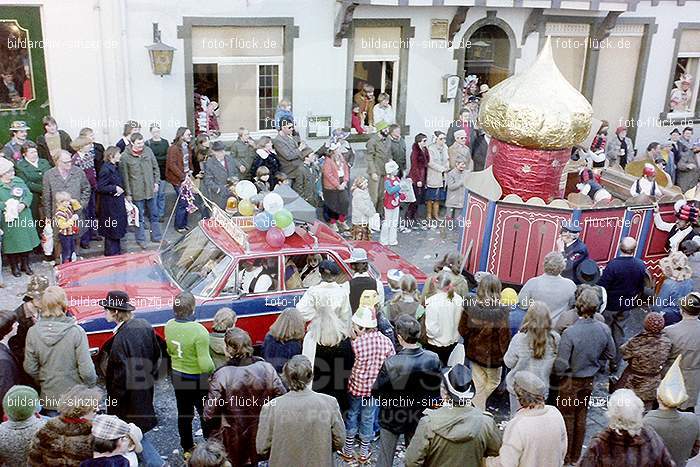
245 189
289 230
272 202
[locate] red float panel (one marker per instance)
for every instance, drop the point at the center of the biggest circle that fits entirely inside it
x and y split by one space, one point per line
474 229
601 230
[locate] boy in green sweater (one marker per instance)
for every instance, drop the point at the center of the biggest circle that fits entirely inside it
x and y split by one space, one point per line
188 347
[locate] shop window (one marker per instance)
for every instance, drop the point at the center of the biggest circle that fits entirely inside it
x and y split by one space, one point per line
682 100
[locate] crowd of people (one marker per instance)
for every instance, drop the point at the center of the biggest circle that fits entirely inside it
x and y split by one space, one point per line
348 371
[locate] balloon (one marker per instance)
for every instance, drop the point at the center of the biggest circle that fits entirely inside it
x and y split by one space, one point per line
283 218
273 203
289 230
246 208
245 189
263 221
275 237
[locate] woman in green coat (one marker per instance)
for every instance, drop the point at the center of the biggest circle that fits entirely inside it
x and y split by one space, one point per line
31 169
16 220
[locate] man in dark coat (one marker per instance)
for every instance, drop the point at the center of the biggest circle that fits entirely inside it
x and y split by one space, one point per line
112 212
218 169
132 365
10 373
412 375
574 250
288 152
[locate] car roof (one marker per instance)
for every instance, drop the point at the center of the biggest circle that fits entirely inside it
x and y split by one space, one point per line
302 239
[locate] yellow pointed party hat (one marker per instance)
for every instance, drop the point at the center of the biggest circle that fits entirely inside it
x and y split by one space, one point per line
671 391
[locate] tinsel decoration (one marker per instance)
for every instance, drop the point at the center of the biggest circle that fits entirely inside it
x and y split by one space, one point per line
187 190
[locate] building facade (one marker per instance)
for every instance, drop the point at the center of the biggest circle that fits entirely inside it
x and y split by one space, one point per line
86 62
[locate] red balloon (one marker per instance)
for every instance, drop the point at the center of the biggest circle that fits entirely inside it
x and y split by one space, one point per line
275 237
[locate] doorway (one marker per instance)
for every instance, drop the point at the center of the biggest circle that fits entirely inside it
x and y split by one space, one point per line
488 55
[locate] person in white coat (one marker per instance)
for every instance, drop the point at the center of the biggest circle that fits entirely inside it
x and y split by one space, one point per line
438 165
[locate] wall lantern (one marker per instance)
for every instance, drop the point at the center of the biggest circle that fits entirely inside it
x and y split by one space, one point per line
161 55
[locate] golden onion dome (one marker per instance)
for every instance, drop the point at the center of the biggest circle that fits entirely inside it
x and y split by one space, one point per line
537 108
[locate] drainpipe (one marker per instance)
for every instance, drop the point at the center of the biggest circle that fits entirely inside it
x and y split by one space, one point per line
125 58
106 137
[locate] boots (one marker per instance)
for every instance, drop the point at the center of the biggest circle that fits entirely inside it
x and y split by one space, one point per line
429 210
13 265
436 210
25 264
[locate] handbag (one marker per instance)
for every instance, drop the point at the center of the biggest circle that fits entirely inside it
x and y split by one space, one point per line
132 213
409 195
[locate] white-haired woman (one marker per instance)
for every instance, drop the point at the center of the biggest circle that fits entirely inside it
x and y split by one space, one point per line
626 441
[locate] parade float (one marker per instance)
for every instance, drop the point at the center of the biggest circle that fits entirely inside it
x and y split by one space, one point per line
515 207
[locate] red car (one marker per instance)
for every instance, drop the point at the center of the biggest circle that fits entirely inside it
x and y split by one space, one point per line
209 261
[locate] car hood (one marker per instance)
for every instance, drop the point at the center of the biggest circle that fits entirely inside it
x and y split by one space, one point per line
139 274
384 258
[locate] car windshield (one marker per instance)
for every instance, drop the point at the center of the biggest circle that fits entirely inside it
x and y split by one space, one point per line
195 262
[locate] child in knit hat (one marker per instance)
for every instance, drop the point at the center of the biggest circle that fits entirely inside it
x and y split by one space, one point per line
21 406
392 200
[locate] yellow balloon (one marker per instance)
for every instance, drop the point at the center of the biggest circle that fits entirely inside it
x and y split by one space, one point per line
246 208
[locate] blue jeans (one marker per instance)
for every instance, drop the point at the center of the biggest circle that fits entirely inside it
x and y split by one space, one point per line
180 211
360 416
152 216
149 456
67 247
160 198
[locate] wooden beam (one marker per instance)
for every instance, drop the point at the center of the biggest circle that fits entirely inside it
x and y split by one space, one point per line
457 22
603 29
343 21
532 23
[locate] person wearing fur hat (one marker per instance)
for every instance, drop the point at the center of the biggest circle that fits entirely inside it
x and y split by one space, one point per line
677 284
19 234
684 227
619 149
21 407
336 196
392 200
646 184
679 430
626 437
536 435
363 210
645 355
456 433
685 336
371 349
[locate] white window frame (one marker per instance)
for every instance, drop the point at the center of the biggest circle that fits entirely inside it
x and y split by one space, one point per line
696 87
258 61
395 76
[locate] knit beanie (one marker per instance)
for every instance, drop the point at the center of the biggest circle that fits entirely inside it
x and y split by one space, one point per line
20 403
654 322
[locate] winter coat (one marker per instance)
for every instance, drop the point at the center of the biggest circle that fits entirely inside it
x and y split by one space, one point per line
43 148
76 184
685 340
271 162
332 368
132 371
34 178
680 432
438 164
305 185
612 150
20 235
10 371
645 354
456 126
112 216
455 188
331 178
300 428
57 358
407 383
277 353
378 154
243 154
362 207
175 165
442 316
252 381
15 438
419 164
486 333
330 300
140 173
609 448
216 175
288 154
61 443
519 357
217 348
453 435
479 147
18 342
397 151
533 438
160 150
463 150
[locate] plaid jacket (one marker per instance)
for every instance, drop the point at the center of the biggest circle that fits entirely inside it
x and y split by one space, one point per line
371 349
